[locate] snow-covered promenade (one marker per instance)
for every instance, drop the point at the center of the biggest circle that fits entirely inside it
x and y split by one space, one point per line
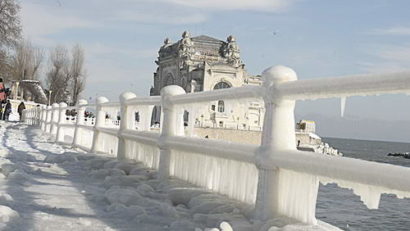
45 186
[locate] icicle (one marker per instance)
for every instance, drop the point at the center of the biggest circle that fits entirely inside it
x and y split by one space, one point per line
216 174
342 106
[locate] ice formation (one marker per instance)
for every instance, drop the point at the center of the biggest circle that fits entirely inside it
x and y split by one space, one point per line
85 137
297 195
108 144
369 195
342 106
236 179
147 154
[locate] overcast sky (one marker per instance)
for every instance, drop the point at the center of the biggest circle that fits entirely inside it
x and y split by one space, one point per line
317 38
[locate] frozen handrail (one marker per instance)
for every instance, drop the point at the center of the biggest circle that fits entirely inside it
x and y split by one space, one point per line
284 174
356 85
221 149
110 104
229 93
151 100
344 168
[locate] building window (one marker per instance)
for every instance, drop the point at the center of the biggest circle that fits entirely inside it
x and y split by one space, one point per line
137 116
221 106
169 80
222 85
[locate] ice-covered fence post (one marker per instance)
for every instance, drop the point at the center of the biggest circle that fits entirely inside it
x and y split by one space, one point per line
79 121
25 117
282 192
54 118
33 115
99 122
61 121
49 113
29 115
171 124
125 116
43 118
38 115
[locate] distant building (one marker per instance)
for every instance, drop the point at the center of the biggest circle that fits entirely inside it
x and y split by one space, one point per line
306 126
203 63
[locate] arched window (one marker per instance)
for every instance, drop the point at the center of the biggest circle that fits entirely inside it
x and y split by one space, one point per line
222 85
186 118
221 106
169 80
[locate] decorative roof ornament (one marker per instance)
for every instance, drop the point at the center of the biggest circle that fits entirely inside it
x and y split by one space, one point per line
231 51
186 34
167 42
162 50
185 48
231 39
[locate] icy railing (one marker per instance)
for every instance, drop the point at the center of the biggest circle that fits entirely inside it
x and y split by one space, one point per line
275 177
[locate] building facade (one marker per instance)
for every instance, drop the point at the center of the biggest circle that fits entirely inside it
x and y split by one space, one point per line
204 63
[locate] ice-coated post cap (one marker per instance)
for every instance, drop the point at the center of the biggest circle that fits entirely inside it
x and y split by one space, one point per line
82 102
127 96
278 74
62 104
101 100
172 90
54 105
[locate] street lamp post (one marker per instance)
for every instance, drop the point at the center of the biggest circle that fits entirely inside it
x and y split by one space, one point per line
49 96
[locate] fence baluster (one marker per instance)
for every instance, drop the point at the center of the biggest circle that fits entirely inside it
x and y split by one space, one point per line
61 122
99 122
278 135
125 123
54 118
172 124
79 121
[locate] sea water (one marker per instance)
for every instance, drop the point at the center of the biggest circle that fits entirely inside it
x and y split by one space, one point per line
340 207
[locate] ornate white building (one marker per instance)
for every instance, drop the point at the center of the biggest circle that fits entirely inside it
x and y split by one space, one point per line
203 63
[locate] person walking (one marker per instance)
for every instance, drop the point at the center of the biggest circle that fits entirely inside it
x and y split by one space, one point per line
20 109
7 110
1 110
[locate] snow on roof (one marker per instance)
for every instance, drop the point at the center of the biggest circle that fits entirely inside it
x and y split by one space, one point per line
314 136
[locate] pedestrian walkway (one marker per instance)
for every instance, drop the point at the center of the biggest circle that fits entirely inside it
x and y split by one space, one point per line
45 186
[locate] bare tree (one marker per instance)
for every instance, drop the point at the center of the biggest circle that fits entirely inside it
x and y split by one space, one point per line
58 76
10 32
66 76
26 61
10 28
24 64
5 67
77 72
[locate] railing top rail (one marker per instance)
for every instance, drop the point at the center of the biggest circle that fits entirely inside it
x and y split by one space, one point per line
388 176
229 93
356 85
217 148
69 107
145 100
89 105
110 104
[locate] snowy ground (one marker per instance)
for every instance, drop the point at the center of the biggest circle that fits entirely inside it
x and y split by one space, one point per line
45 186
